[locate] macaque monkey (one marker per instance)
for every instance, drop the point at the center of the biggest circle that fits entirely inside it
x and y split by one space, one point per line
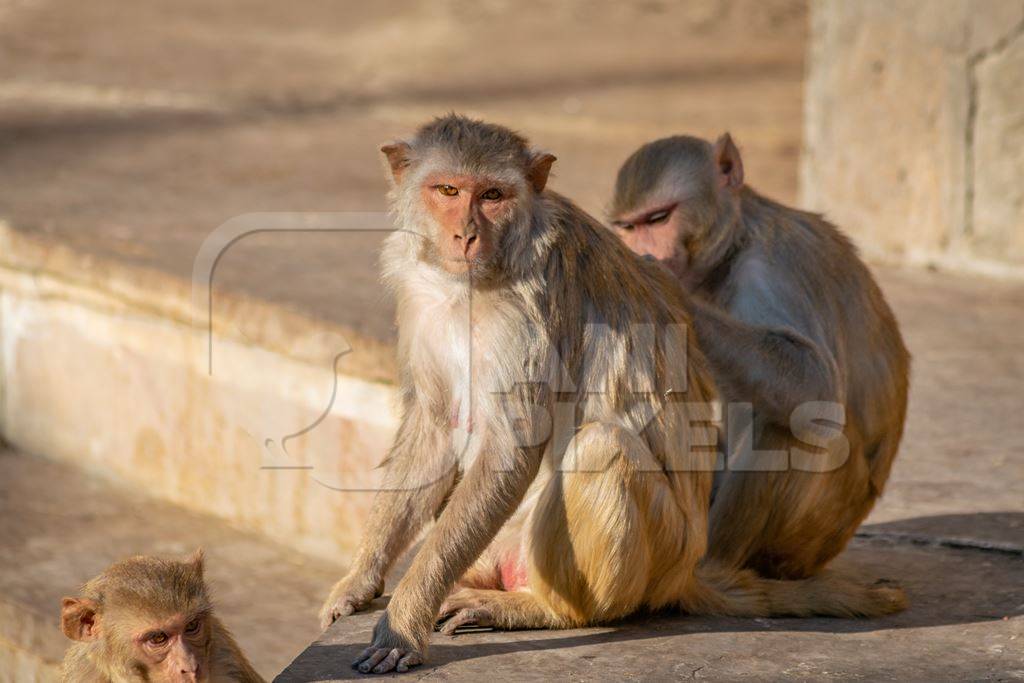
149 619
786 313
553 417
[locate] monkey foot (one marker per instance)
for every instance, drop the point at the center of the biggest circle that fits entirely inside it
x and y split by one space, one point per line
466 607
380 660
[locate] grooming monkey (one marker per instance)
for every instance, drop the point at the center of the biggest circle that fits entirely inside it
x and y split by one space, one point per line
519 313
786 313
150 619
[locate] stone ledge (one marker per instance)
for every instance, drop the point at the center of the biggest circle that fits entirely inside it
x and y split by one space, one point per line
111 285
966 621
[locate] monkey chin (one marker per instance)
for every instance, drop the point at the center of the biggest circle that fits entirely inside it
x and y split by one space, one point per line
465 270
457 267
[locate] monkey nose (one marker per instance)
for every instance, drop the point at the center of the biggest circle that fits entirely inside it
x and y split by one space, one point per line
189 671
469 243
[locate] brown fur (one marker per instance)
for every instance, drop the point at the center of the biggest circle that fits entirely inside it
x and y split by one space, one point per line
136 595
606 512
786 313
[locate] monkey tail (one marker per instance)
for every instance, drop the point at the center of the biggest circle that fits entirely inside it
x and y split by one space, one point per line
742 593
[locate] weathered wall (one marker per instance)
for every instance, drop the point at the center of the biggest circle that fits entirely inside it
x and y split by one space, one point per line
914 129
103 368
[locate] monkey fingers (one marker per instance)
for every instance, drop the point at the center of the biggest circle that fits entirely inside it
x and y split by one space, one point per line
382 659
348 597
343 607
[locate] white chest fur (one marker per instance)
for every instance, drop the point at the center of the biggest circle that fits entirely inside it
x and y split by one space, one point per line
447 354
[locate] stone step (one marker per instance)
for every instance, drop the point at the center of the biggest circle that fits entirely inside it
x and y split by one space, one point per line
259 414
60 527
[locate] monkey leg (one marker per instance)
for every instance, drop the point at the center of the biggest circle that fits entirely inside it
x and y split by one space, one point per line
605 537
500 609
606 529
788 524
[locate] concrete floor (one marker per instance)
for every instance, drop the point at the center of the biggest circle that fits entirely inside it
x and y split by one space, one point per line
60 527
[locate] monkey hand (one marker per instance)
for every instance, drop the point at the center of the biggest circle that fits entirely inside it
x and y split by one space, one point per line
352 594
393 649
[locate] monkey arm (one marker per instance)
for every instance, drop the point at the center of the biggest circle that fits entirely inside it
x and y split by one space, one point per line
399 511
481 503
419 474
775 368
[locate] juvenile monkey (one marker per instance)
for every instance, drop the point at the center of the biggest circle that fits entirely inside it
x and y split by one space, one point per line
555 441
786 313
150 619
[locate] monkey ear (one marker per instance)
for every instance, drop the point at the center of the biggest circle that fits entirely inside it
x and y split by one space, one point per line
399 156
540 167
79 619
198 560
728 162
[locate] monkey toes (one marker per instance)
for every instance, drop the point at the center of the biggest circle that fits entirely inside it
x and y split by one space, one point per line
468 616
889 596
465 607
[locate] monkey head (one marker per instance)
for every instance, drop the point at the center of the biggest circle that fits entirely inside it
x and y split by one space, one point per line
468 188
146 616
677 200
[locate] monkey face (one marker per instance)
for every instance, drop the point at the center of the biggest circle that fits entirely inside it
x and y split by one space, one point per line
148 615
468 188
175 649
171 650
468 214
656 229
677 200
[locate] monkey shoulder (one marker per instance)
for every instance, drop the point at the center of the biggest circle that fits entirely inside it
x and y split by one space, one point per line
760 292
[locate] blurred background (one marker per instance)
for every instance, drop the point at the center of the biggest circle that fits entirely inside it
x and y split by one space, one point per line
152 123
141 419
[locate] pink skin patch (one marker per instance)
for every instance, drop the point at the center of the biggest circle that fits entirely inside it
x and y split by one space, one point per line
454 421
513 573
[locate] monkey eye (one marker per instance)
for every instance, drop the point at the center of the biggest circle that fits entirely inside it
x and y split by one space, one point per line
492 194
448 190
193 627
659 216
625 227
158 639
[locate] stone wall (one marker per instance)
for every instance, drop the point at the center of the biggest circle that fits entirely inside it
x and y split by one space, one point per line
914 129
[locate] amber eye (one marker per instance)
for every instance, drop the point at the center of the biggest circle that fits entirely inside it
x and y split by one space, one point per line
491 195
448 190
193 627
158 639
